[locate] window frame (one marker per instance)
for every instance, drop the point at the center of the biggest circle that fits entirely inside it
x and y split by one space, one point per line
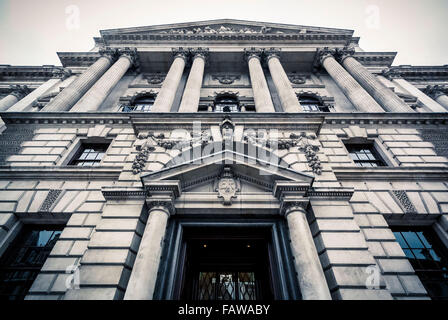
82 149
11 253
436 245
376 146
74 149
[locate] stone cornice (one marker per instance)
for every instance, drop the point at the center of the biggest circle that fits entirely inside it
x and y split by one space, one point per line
418 72
222 37
8 72
59 172
391 173
123 193
310 121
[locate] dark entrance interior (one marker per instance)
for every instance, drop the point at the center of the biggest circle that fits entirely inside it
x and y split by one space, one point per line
226 264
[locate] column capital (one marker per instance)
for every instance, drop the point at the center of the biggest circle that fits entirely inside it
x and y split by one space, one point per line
180 53
19 91
323 54
199 52
110 53
161 195
272 53
435 91
253 53
344 53
131 54
289 205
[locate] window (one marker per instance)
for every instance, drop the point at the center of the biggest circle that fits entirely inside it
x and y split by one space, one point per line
90 154
141 104
226 103
312 104
428 257
364 155
21 263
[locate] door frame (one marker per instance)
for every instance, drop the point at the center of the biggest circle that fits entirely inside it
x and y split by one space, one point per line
169 278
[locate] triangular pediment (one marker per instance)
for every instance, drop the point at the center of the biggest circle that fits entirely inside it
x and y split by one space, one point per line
206 169
226 26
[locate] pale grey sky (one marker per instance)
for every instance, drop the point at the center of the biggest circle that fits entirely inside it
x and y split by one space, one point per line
32 31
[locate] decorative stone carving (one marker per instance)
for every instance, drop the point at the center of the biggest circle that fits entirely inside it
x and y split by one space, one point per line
155 78
148 141
226 78
306 143
403 199
19 91
202 138
227 130
144 149
227 186
296 78
52 196
221 30
435 91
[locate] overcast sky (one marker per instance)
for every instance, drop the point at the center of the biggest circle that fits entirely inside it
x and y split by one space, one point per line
32 31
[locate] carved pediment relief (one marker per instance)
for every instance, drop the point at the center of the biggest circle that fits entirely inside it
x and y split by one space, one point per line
225 27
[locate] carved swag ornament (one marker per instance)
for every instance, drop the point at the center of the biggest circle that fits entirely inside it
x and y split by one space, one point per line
150 141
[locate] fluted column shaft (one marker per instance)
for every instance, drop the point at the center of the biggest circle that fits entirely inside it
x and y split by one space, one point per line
310 274
8 101
352 90
383 95
144 273
288 98
262 97
73 92
192 92
102 88
167 93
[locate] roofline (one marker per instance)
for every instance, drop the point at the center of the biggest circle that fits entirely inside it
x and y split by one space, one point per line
187 24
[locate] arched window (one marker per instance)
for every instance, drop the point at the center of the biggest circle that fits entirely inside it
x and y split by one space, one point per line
141 104
227 103
312 104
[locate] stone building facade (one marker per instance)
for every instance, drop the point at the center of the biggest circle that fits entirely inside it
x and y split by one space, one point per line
220 160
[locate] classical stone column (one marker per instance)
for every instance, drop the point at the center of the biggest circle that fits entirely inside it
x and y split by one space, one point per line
144 273
17 93
438 94
103 87
160 202
310 274
262 97
167 93
288 98
382 94
192 92
352 90
73 92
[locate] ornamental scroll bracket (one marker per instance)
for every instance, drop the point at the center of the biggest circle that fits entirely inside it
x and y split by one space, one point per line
306 143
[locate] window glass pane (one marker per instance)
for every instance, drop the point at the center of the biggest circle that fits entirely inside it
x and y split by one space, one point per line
400 240
408 253
412 239
423 239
